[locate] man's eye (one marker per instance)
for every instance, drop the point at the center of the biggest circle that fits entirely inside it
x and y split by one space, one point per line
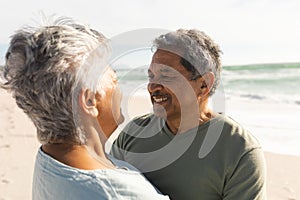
165 77
150 76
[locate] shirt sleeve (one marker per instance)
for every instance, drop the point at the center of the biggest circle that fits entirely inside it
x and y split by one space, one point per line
248 181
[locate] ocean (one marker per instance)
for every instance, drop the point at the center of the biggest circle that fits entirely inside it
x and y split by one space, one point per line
272 82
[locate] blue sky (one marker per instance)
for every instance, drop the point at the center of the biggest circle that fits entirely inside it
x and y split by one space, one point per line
248 31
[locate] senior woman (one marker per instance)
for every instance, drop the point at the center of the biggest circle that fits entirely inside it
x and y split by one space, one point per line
59 77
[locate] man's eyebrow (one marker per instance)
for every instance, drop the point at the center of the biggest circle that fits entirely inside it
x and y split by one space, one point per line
164 70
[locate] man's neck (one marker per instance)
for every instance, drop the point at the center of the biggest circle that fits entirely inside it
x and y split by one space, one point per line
187 121
181 125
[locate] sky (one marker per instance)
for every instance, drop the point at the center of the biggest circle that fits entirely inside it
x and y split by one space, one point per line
248 31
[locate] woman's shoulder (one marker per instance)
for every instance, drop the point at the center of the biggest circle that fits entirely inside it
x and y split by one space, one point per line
120 164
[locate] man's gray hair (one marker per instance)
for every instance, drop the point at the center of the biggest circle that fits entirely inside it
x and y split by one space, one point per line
199 53
41 71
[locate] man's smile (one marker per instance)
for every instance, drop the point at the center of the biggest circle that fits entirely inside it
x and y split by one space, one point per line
159 98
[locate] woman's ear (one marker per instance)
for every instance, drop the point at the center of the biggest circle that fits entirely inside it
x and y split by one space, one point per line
88 102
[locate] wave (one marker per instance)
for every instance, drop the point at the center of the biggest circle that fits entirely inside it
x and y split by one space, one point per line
268 66
275 98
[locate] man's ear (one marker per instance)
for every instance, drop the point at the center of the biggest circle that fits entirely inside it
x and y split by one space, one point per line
88 102
209 78
206 83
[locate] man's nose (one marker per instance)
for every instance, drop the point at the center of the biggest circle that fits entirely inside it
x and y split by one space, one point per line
152 87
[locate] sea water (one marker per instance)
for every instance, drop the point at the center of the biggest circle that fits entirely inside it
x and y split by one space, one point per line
275 82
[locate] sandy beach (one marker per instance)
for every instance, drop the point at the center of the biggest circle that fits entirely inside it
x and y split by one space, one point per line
18 145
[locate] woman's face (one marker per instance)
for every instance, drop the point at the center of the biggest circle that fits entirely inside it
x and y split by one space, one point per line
109 104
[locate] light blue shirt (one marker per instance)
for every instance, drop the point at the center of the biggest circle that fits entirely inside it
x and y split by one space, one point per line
53 180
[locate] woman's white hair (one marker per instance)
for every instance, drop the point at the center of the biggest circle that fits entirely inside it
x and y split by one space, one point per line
44 68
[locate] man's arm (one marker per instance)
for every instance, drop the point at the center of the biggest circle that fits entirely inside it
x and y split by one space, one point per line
248 180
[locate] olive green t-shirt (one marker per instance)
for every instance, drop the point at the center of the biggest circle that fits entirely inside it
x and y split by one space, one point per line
216 160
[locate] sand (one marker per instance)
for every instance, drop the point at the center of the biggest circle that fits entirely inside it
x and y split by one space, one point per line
18 147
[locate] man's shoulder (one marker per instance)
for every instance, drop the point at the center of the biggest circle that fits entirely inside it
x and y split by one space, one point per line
139 124
238 133
135 133
231 125
143 120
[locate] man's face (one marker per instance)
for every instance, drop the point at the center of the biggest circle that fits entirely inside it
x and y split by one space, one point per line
172 92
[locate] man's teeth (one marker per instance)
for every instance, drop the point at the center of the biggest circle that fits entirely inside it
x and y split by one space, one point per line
159 99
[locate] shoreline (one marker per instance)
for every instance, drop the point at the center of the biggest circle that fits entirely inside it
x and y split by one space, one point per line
19 145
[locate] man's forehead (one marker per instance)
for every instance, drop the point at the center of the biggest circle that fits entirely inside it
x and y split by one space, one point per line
165 61
165 68
165 56
161 67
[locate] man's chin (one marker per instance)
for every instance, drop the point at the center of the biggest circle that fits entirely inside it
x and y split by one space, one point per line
161 113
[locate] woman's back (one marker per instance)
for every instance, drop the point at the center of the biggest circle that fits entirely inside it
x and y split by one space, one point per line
55 180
